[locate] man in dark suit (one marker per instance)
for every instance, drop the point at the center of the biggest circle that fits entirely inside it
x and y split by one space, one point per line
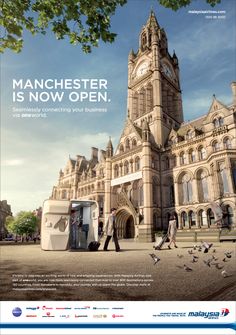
111 230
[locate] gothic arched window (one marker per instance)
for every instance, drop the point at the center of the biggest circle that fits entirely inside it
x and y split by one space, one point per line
127 144
224 185
134 143
201 153
121 148
183 158
126 167
116 171
221 121
149 98
184 219
202 186
215 146
63 194
187 193
192 218
192 156
142 102
137 164
227 143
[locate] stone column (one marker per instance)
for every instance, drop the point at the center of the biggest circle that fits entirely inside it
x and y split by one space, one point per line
215 182
228 169
176 190
195 190
107 202
145 230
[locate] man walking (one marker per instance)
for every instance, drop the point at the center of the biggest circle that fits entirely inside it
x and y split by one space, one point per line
111 230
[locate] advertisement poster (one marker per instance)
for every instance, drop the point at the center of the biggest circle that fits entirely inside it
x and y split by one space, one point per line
118 166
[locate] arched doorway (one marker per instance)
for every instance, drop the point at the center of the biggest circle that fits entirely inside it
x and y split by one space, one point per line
129 227
210 217
125 224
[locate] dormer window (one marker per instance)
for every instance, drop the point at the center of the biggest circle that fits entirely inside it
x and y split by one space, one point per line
218 122
221 121
189 134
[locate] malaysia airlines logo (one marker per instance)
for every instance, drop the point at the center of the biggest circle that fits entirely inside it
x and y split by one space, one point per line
224 312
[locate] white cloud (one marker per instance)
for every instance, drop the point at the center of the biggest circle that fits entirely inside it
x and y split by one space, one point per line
12 162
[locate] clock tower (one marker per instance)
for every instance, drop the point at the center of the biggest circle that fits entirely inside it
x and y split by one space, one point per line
154 94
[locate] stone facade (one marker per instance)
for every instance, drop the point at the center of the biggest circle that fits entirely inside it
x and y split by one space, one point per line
162 165
5 210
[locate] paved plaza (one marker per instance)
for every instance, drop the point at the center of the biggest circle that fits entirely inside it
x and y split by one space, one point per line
126 275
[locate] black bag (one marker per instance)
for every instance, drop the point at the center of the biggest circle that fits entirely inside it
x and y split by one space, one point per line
93 246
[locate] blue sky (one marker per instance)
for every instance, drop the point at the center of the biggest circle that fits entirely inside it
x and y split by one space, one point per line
33 150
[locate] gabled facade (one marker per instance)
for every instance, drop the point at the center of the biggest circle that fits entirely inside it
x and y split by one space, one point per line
161 165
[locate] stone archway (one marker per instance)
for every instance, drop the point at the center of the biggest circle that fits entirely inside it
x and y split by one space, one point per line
125 222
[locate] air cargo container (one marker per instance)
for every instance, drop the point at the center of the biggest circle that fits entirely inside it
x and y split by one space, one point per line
69 224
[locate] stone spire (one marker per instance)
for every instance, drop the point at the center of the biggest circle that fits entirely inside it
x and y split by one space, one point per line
152 20
109 148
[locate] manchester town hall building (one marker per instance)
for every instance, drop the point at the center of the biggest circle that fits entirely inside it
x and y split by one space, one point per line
162 165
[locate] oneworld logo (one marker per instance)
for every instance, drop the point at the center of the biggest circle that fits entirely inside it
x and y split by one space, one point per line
17 312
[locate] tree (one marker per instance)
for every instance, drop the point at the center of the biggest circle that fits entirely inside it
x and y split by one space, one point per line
84 22
24 223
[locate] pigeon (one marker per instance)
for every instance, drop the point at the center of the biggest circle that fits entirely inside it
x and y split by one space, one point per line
225 274
190 252
225 259
214 258
186 268
194 260
218 267
199 248
208 262
180 256
206 246
228 254
155 258
195 247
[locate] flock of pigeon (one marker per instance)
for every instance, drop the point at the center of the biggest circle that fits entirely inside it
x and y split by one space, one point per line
212 261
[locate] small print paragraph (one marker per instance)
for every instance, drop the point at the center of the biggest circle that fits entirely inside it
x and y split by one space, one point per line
53 282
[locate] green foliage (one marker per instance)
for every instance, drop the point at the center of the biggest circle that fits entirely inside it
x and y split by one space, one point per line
84 22
24 223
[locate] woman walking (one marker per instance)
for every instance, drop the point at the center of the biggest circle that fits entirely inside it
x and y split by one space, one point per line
172 231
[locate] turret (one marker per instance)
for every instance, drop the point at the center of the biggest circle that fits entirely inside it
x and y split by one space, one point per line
109 148
233 87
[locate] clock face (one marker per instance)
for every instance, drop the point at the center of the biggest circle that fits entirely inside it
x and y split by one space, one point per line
167 70
143 68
